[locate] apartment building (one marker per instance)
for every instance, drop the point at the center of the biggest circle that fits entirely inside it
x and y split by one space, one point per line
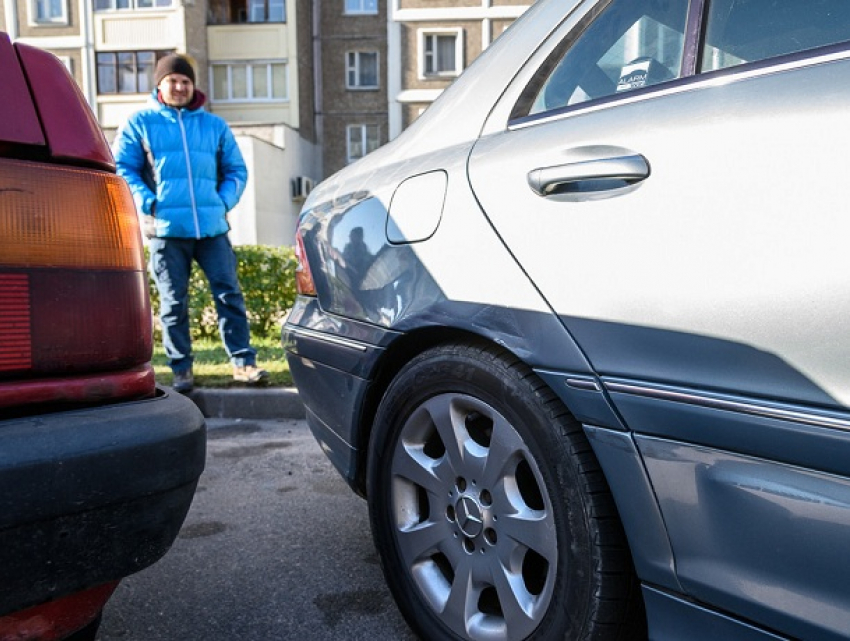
396 57
351 60
432 42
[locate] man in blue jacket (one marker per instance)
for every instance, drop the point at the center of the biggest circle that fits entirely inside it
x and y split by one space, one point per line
186 172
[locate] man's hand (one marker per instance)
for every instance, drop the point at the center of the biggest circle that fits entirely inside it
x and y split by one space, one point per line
149 226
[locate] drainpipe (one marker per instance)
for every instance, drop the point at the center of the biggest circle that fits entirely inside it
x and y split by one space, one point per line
318 103
87 54
11 12
394 69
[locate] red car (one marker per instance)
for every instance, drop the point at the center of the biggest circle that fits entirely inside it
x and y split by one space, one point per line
98 466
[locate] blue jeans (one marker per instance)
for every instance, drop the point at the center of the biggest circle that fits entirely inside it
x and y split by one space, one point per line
170 265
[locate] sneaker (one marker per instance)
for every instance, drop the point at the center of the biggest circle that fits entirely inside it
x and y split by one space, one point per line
250 374
184 382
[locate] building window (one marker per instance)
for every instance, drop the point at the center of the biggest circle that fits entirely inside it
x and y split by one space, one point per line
127 71
266 11
116 5
361 139
440 52
355 7
361 70
240 11
49 11
249 81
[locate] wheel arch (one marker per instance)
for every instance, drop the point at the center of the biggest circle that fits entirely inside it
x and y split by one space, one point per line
406 347
401 351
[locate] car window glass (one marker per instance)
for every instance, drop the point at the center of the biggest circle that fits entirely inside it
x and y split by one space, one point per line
631 44
739 31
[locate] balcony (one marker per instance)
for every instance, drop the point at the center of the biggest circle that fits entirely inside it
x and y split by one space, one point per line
225 12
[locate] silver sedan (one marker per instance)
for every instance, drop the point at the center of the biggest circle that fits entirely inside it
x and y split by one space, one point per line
581 335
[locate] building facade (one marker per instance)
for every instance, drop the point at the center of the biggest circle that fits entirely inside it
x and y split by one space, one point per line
351 81
432 42
308 86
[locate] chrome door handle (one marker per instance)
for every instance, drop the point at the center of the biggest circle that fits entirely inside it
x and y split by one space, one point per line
599 174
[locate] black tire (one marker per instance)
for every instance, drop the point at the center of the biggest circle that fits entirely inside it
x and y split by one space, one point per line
488 508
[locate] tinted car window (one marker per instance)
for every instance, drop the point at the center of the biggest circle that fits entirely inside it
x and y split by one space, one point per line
741 31
632 44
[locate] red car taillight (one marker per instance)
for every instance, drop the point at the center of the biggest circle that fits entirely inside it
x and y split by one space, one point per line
303 277
73 290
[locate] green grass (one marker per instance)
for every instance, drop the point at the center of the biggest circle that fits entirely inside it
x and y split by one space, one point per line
212 368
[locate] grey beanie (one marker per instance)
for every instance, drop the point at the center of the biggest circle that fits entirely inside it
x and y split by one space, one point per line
173 63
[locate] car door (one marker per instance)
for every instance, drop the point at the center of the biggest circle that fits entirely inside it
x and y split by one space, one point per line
682 206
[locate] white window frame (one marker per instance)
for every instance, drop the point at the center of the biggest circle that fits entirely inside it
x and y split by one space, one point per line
58 20
116 66
356 69
259 11
364 139
359 8
133 6
249 79
422 52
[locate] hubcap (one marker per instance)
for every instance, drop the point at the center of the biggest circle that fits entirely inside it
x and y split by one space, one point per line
473 520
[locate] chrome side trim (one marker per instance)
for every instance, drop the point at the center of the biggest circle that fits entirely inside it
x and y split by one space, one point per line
328 338
709 402
585 384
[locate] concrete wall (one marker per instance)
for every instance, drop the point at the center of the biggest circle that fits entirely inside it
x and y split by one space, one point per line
267 213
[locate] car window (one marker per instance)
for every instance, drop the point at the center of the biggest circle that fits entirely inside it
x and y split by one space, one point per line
739 31
631 44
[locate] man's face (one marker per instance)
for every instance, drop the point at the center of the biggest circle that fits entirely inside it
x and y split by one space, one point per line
176 90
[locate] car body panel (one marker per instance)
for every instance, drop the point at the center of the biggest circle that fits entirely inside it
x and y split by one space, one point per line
24 127
722 266
71 131
337 355
341 357
643 521
759 539
671 617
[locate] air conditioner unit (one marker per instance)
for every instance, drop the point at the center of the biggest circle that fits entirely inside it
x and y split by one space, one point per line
301 188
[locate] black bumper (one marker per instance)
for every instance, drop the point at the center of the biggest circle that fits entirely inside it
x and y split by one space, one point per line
332 360
91 496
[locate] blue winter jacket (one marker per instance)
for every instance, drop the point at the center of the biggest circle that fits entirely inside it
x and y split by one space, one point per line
183 167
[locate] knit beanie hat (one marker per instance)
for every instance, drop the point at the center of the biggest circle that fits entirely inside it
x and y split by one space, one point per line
173 63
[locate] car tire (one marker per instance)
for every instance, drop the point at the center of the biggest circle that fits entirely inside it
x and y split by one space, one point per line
488 509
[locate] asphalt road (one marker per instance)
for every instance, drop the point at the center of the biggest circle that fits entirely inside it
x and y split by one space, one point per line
275 546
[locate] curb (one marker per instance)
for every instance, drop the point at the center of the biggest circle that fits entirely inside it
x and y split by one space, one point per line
262 403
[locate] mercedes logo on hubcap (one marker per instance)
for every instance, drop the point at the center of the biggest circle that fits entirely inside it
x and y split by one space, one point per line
469 517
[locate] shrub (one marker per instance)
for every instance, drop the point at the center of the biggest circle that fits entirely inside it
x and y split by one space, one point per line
267 277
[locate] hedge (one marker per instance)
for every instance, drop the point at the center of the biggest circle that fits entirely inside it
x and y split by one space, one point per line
267 277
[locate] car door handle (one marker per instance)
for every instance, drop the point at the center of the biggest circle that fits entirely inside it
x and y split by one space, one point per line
598 174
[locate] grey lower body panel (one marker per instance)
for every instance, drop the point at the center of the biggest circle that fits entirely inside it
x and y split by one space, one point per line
672 618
